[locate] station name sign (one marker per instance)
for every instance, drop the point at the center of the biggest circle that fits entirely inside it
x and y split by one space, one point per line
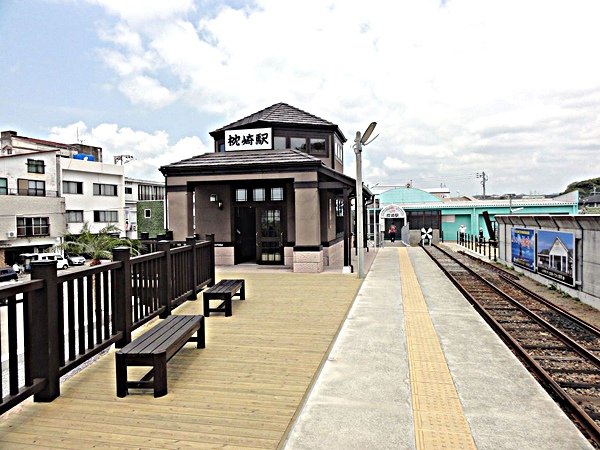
249 139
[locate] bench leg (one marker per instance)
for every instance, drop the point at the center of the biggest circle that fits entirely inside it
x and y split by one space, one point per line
160 375
228 309
243 291
206 306
201 335
121 375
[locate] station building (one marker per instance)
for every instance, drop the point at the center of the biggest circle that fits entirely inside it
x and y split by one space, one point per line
273 192
411 209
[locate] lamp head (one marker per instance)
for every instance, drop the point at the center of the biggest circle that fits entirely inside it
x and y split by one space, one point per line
368 132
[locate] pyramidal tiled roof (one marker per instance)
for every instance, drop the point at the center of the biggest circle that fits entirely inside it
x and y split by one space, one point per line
279 113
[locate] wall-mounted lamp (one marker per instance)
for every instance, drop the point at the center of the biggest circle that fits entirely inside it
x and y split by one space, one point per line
215 198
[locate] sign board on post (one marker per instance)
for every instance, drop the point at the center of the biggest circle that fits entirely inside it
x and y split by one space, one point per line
556 255
523 247
249 139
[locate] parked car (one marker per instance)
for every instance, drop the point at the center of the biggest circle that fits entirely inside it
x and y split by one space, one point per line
27 258
76 260
8 273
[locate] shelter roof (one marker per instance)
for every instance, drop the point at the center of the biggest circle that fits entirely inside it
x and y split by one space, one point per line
280 114
242 160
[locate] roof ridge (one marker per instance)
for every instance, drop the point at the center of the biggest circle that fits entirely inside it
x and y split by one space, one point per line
282 113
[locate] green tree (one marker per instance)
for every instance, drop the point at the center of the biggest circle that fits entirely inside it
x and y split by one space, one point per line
585 187
99 245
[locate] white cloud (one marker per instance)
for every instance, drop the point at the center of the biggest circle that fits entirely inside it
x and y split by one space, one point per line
395 163
146 91
473 82
150 150
141 11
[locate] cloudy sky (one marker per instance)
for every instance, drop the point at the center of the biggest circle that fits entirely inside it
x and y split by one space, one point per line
457 87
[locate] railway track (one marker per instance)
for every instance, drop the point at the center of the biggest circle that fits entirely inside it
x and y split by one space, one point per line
562 351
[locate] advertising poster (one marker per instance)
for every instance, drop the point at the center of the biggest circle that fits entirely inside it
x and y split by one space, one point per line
523 247
555 255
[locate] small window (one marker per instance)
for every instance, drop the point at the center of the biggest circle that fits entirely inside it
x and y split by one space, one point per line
105 189
106 216
36 188
317 146
241 195
72 187
35 166
339 151
279 143
3 186
298 144
33 226
147 213
259 195
74 216
276 194
128 190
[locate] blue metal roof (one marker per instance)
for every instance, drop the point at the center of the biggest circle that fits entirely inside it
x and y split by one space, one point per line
407 195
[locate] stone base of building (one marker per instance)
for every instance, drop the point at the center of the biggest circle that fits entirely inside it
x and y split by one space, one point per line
301 261
333 256
224 256
308 261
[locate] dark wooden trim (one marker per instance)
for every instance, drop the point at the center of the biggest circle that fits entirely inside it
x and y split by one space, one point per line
178 188
306 184
308 248
333 241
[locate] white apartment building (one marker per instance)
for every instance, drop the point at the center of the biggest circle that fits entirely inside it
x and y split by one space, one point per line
48 189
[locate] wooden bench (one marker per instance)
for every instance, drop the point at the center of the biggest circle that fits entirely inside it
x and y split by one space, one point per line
224 290
154 348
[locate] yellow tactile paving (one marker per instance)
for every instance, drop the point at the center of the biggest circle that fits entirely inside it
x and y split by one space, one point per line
438 415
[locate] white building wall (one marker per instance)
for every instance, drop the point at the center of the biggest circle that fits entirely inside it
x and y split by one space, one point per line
13 206
14 167
88 173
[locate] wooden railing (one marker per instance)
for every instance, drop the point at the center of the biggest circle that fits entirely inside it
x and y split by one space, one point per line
54 323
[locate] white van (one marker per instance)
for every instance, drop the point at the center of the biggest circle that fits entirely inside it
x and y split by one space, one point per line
26 259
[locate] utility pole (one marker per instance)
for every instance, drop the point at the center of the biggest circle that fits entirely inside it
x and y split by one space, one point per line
358 145
484 178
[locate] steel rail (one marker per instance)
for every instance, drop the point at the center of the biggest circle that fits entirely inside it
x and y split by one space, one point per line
584 420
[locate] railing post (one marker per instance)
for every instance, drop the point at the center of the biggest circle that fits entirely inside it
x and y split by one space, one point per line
191 241
165 282
211 238
122 291
44 333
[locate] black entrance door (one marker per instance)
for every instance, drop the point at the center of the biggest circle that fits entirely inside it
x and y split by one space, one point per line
245 234
269 236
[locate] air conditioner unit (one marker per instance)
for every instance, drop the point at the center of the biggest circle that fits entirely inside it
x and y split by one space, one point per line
11 234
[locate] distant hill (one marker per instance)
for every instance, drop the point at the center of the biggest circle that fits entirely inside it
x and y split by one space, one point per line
585 187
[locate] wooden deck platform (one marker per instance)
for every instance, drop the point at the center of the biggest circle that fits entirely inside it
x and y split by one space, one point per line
242 391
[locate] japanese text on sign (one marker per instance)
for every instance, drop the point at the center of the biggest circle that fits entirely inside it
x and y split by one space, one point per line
249 139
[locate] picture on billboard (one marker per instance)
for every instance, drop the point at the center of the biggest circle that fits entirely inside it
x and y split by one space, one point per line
523 248
556 255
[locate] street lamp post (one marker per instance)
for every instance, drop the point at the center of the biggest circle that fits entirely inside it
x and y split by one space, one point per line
358 143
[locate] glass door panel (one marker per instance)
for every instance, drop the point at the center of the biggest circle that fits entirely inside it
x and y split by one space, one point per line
270 237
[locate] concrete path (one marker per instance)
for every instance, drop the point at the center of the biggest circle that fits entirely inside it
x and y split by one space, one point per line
362 398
